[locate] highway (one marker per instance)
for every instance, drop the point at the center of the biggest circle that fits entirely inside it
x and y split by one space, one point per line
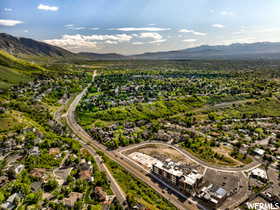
71 122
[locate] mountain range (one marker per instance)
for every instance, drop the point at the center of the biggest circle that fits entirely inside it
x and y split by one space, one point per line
25 46
261 50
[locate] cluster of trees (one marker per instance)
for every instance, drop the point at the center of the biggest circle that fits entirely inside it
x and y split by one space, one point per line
203 148
136 190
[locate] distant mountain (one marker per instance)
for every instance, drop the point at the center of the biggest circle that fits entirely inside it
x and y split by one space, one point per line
25 46
261 50
98 56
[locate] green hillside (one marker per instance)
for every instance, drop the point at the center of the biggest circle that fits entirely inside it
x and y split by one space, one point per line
14 71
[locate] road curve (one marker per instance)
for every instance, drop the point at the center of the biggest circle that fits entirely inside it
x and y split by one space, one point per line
190 156
90 144
84 138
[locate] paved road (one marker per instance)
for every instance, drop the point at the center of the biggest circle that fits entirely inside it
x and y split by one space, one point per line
248 167
91 145
84 137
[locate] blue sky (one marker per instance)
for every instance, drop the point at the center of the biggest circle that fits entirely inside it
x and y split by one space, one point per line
136 26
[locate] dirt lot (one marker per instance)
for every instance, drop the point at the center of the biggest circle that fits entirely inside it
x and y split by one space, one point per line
164 152
226 152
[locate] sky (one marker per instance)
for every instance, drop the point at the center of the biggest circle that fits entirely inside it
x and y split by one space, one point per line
137 26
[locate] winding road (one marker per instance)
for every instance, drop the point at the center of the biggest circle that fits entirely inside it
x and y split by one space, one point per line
92 145
193 158
84 137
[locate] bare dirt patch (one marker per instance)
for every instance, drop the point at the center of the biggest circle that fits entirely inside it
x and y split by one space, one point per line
226 152
164 152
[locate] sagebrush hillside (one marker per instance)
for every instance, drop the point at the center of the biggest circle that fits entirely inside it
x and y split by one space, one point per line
24 46
14 70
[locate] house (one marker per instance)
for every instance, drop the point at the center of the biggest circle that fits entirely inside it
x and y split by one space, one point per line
15 170
35 186
86 175
35 151
260 174
38 172
61 175
72 199
85 165
259 151
213 195
54 151
37 141
100 194
12 201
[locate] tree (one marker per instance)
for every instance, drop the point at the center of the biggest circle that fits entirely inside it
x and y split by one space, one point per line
2 197
32 198
50 185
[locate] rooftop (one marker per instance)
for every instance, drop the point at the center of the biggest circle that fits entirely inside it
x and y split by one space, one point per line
143 159
190 177
259 173
259 151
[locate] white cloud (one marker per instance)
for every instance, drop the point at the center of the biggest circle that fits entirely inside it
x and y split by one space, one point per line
218 26
73 43
151 35
189 40
26 31
227 13
80 42
158 41
47 7
185 31
151 24
138 43
141 29
115 37
192 31
111 42
199 33
69 25
4 22
8 9
78 28
157 38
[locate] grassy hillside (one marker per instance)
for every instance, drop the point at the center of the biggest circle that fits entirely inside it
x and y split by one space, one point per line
14 71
